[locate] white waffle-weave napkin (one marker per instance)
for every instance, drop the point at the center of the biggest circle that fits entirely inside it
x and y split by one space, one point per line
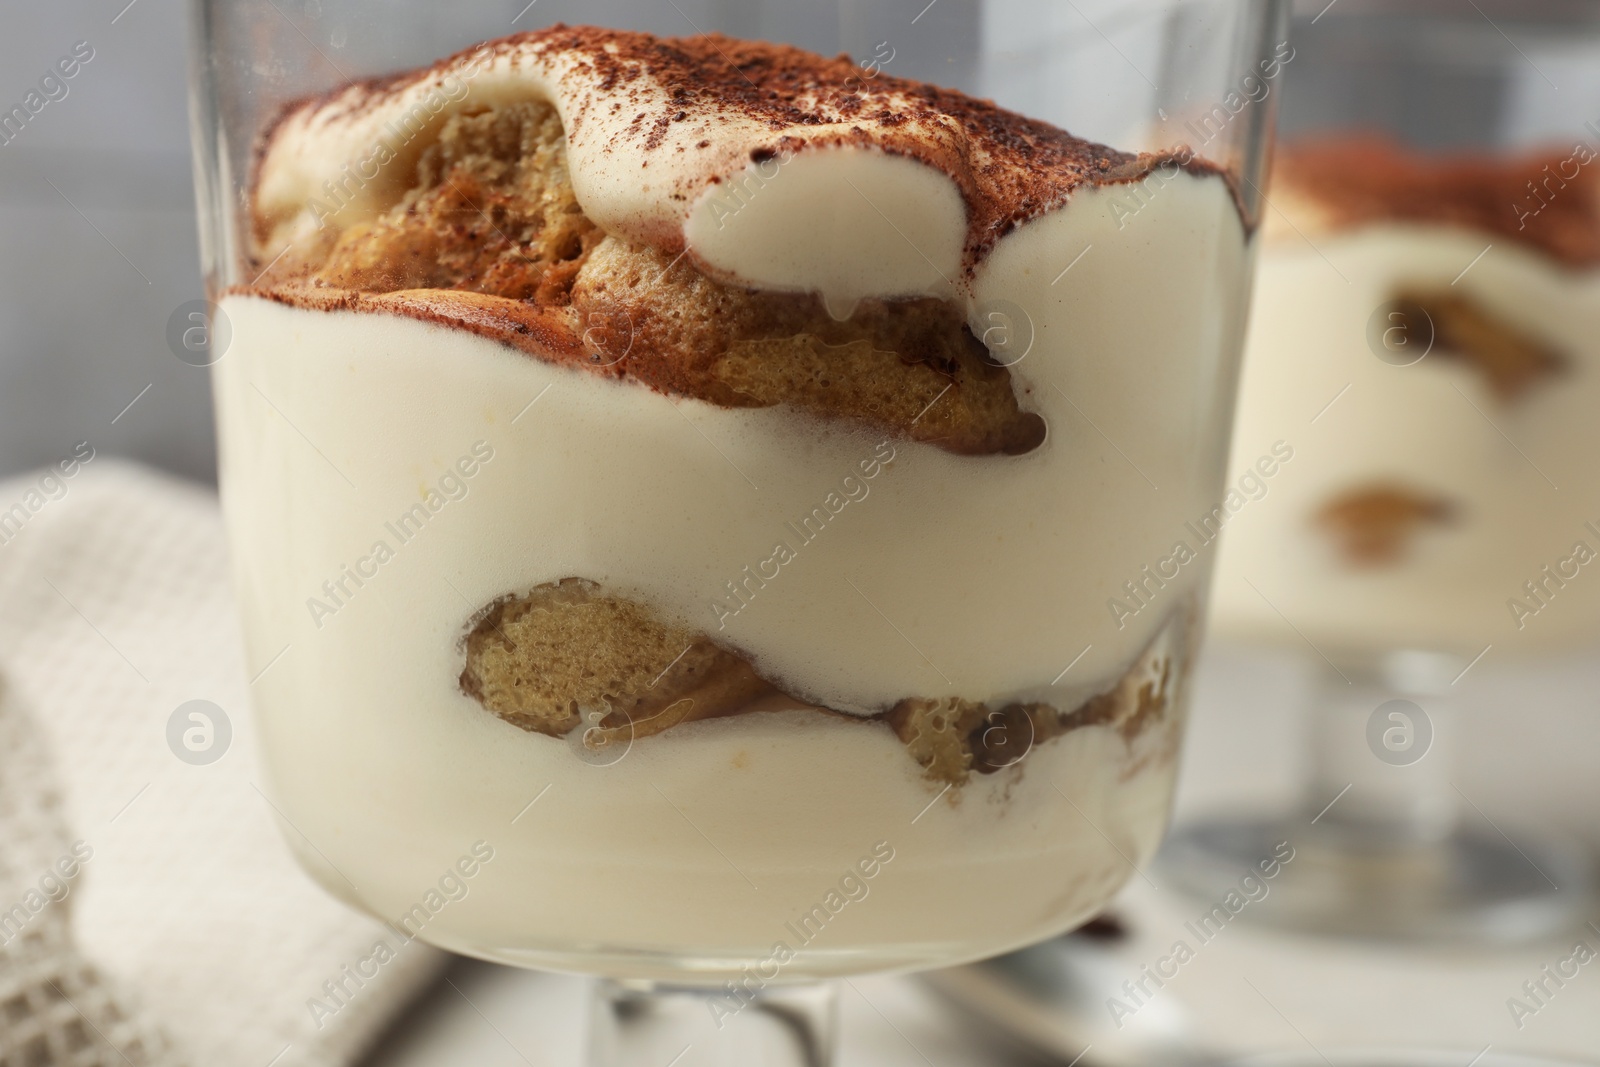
186 933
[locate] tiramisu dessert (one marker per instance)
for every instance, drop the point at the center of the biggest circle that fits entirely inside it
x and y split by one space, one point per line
697 472
1426 337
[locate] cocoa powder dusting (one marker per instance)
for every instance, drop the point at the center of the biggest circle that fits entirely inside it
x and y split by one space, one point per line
1009 168
1547 201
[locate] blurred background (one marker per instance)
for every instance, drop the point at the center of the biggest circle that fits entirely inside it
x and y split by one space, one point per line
97 241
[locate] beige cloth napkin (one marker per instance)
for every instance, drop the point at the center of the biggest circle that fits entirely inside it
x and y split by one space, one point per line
184 932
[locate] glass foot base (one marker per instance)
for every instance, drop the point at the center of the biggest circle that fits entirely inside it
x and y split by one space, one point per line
642 1024
1469 886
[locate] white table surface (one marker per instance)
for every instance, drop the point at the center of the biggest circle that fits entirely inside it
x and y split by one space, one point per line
1527 753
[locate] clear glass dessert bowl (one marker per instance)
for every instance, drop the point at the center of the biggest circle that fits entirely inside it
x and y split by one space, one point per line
677 485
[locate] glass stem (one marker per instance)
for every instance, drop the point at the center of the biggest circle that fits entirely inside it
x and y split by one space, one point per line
1378 759
645 1024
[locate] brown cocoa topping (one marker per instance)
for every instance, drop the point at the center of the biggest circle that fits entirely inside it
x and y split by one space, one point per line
1547 201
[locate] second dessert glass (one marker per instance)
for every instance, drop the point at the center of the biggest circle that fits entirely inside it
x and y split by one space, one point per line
1423 352
820 663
